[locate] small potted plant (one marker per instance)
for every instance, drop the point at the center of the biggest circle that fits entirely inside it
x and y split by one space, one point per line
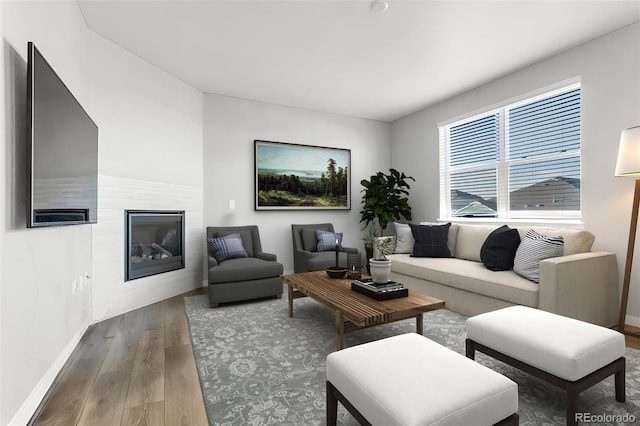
380 266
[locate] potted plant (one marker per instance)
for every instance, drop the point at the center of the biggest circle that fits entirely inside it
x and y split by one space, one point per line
385 198
379 265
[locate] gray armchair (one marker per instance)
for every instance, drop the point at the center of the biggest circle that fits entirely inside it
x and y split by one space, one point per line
244 278
306 257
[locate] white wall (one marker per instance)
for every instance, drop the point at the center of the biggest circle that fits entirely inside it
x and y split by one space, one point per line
150 158
610 70
230 127
40 318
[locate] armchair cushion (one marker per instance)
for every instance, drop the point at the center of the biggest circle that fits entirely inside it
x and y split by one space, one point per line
244 269
309 240
327 240
227 247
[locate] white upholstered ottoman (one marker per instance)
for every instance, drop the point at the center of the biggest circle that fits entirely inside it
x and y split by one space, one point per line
571 354
411 380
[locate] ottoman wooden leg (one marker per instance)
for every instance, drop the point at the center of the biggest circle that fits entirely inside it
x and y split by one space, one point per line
470 349
620 382
332 405
572 404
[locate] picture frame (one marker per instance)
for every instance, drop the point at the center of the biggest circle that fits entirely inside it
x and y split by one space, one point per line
291 176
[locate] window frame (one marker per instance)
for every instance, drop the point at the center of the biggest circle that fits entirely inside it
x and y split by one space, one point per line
503 211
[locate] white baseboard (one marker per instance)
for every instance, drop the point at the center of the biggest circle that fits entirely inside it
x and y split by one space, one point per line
30 405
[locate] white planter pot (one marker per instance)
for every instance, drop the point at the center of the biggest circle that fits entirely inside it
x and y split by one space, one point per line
380 270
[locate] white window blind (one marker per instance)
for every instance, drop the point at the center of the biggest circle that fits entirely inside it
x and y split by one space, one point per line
519 161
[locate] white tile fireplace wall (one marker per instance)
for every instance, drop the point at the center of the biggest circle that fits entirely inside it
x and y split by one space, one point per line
111 294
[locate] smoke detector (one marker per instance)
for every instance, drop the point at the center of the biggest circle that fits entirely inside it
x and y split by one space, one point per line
379 6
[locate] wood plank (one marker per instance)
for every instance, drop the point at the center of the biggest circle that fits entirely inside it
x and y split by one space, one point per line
176 326
123 349
145 415
97 339
184 404
154 316
147 377
64 406
66 401
105 403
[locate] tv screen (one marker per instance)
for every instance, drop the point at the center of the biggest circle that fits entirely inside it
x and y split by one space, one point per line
62 151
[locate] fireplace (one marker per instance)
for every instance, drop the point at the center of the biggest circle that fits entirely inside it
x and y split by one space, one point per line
154 242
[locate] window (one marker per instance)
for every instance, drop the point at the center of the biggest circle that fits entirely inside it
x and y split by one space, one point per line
519 161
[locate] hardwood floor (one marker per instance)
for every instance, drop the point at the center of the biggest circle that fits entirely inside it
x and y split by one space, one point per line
134 369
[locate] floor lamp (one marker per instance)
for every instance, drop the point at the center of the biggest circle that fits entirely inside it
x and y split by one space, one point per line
628 164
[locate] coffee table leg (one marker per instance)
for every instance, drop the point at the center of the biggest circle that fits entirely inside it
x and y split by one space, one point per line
290 299
419 323
339 331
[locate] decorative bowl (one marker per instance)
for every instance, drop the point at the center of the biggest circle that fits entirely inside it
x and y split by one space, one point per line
335 271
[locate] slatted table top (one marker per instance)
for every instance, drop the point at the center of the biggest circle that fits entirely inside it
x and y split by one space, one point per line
359 309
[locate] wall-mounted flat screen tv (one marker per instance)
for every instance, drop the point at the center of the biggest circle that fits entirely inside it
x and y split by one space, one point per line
62 151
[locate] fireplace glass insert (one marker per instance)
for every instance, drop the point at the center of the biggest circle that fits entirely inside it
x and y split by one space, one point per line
154 242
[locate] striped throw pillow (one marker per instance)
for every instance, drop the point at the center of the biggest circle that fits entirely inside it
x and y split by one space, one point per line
533 248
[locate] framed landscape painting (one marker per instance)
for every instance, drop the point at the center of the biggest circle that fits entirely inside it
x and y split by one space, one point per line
301 177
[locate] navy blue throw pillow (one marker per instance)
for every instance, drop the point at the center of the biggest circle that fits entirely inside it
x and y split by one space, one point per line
431 240
499 249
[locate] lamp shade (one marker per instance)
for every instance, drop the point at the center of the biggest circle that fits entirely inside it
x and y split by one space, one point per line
628 163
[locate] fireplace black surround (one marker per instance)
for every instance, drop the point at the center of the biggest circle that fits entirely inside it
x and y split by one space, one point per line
154 242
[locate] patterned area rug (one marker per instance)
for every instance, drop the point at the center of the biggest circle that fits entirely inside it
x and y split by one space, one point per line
257 366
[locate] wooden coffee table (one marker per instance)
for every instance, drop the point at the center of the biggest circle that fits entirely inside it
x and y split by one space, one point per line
353 310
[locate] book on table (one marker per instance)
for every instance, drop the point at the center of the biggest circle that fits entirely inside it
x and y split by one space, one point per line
380 291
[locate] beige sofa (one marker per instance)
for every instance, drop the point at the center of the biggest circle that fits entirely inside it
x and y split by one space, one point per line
582 284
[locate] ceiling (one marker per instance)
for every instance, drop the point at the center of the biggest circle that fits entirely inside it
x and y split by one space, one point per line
342 57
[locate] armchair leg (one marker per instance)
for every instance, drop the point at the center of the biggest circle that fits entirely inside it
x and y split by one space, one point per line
278 296
214 305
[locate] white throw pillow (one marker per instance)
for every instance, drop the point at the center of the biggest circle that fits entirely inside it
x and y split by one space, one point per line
405 241
533 248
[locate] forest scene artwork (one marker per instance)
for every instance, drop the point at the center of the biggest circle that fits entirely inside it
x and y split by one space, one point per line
291 176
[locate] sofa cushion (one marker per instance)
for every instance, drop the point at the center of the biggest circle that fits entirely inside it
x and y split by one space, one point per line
430 240
244 269
499 249
404 238
533 248
469 276
327 241
470 240
575 240
227 247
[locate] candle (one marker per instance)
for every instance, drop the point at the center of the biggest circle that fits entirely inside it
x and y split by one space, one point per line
337 246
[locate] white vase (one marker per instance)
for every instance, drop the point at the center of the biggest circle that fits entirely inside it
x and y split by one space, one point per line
380 270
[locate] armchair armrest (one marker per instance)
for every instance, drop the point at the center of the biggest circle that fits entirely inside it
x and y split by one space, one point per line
582 286
267 256
212 262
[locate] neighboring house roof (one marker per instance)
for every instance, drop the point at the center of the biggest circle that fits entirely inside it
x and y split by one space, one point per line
558 193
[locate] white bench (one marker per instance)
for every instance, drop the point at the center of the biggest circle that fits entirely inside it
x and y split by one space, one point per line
411 380
571 354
